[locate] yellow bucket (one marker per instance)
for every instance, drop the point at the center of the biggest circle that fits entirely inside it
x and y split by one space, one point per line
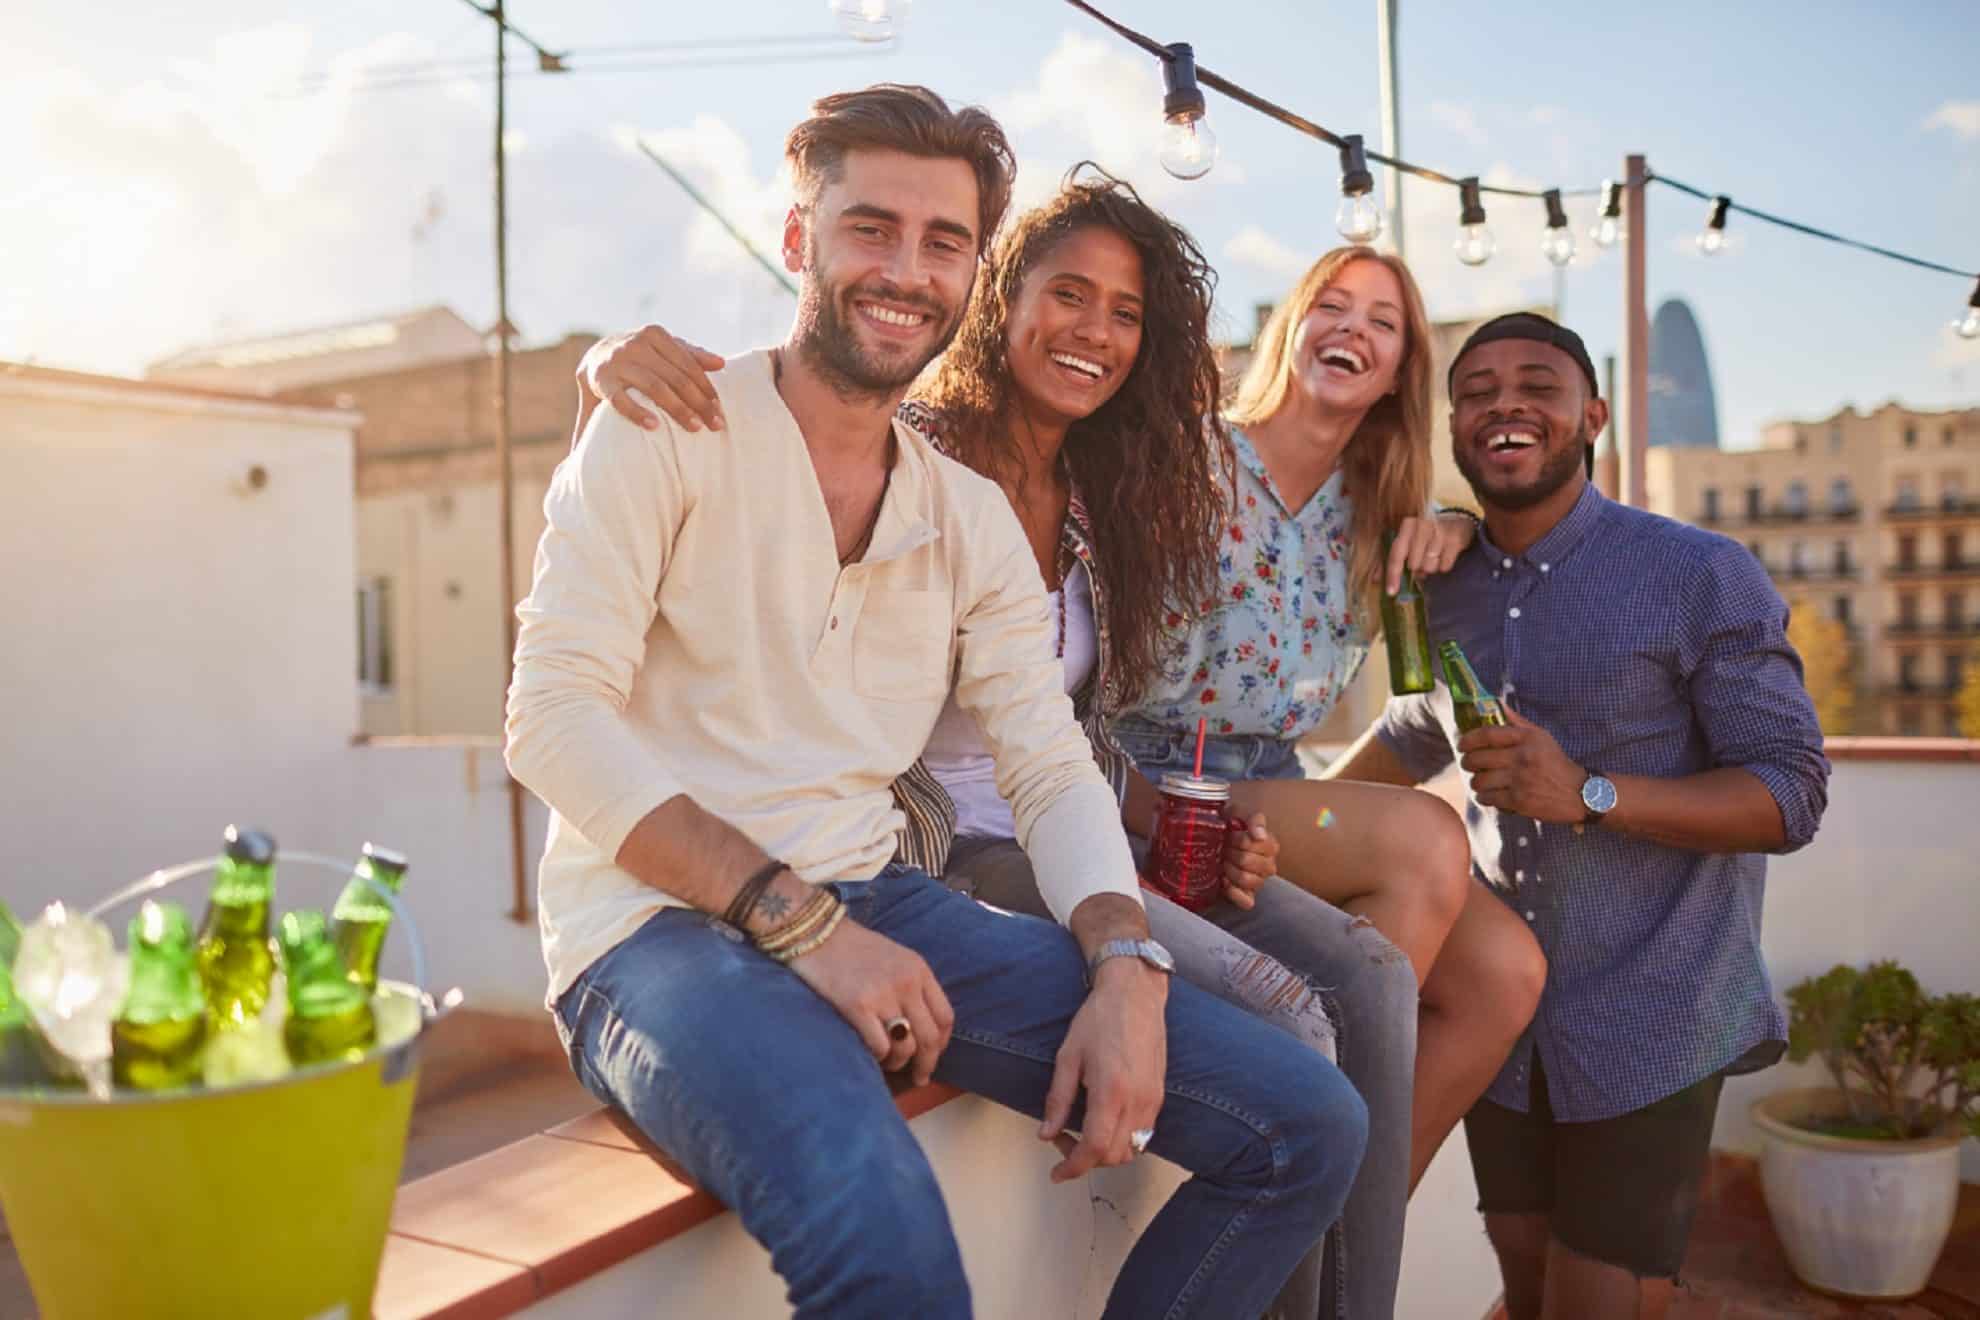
261 1202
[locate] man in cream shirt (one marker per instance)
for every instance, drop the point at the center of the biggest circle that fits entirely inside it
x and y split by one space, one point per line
730 651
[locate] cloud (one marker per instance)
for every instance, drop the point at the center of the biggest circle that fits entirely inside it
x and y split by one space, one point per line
200 205
1962 117
1460 120
1253 247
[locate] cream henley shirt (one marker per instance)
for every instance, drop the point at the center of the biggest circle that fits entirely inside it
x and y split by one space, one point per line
690 630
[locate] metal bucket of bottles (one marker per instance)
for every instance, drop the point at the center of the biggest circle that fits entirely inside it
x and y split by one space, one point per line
268 1199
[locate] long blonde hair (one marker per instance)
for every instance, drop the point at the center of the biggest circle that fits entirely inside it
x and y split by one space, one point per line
1386 466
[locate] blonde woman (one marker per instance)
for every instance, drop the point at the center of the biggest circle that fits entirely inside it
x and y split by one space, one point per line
1331 427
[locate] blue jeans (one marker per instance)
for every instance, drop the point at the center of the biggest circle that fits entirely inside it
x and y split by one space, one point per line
1367 985
767 1096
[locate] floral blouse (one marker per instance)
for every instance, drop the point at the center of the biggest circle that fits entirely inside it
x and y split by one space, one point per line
1273 653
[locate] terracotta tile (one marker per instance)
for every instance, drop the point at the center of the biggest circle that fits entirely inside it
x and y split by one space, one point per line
914 1101
563 1209
421 1281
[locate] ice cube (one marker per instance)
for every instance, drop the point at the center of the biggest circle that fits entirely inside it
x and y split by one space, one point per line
72 979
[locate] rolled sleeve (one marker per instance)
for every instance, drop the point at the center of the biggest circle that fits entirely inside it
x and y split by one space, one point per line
1747 690
611 512
1410 728
1068 818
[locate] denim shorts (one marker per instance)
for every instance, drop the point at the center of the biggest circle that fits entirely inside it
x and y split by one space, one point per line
1157 749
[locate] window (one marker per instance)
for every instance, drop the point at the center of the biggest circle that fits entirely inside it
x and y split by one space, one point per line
1946 437
1955 669
1907 550
1753 498
1754 548
1908 672
1911 437
1951 722
1842 611
1797 558
1835 437
374 634
1841 498
1952 492
1711 504
1907 492
1910 723
1842 559
1907 609
1955 610
1800 441
1796 499
1949 550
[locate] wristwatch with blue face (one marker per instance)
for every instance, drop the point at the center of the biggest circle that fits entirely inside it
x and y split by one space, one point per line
1147 950
1598 795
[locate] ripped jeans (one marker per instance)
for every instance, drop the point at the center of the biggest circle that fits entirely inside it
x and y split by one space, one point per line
1304 966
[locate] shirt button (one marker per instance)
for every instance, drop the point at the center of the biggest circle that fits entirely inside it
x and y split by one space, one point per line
1505 563
1546 568
1519 875
835 621
1530 916
1513 613
1522 840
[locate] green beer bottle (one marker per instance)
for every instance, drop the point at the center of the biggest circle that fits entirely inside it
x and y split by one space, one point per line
360 919
1406 629
236 964
329 1013
155 1041
1471 704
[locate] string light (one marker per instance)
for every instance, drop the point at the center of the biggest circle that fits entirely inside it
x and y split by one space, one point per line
1475 244
1557 244
1712 240
1360 217
870 20
1608 228
1189 148
1968 326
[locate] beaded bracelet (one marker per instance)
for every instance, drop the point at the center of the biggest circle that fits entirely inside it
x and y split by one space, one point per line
792 954
809 917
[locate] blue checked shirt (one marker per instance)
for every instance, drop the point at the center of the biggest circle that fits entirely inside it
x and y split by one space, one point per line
1645 647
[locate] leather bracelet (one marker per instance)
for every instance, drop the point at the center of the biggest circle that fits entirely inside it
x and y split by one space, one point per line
1477 523
792 954
809 918
752 890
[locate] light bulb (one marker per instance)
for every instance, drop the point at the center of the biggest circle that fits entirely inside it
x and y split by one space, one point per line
1712 242
1557 245
1968 326
1189 148
1475 245
1606 231
1359 218
870 20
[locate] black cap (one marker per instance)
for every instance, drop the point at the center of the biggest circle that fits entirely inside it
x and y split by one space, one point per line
1533 326
385 857
250 846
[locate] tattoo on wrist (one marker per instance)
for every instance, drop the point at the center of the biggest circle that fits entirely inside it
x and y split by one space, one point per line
773 906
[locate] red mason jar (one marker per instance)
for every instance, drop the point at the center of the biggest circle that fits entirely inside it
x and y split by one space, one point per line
1186 851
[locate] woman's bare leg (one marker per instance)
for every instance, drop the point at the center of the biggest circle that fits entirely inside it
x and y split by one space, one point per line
1399 857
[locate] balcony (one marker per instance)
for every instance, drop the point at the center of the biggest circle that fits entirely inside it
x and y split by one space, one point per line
1779 514
1945 568
1954 508
1817 572
1920 689
1936 630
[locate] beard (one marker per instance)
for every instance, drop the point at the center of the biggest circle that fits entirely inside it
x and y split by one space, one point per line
1555 472
829 340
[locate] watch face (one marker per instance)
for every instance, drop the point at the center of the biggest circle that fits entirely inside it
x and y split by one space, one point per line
1598 795
1157 957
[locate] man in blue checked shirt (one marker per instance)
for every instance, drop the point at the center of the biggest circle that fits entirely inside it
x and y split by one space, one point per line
1661 742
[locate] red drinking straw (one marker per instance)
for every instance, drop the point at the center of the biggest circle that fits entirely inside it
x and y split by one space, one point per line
1201 723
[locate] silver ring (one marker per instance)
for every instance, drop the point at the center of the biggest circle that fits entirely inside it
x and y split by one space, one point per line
1139 1139
897 1029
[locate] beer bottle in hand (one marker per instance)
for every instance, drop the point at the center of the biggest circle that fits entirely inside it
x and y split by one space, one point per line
360 919
1406 630
236 963
329 1013
155 1041
1471 704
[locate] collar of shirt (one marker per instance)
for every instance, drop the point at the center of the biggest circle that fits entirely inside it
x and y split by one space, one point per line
1561 540
1251 463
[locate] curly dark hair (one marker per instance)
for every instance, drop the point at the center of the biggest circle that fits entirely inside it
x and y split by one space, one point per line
1154 463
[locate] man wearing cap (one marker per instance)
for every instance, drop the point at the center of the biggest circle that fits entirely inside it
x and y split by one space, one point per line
1660 742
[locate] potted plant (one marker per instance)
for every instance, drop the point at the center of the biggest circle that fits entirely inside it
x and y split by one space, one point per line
1861 1179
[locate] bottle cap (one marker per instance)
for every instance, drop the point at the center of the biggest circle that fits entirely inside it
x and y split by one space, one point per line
385 857
1196 788
250 846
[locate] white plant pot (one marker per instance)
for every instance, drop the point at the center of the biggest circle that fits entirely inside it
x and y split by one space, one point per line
1857 1218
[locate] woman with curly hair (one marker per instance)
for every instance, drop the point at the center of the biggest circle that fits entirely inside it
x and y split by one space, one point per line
1083 381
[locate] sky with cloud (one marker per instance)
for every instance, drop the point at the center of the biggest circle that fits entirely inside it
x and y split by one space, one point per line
224 170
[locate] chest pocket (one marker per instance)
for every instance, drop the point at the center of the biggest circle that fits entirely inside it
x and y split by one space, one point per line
901 648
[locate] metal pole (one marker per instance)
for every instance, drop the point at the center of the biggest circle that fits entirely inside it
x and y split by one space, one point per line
1392 181
1635 429
504 460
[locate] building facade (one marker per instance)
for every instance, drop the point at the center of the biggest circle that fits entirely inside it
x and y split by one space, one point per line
1872 519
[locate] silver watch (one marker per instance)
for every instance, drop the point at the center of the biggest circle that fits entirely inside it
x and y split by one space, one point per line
1598 798
1147 950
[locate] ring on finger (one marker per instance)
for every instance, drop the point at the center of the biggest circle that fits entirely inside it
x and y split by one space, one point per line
1139 1139
898 1029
